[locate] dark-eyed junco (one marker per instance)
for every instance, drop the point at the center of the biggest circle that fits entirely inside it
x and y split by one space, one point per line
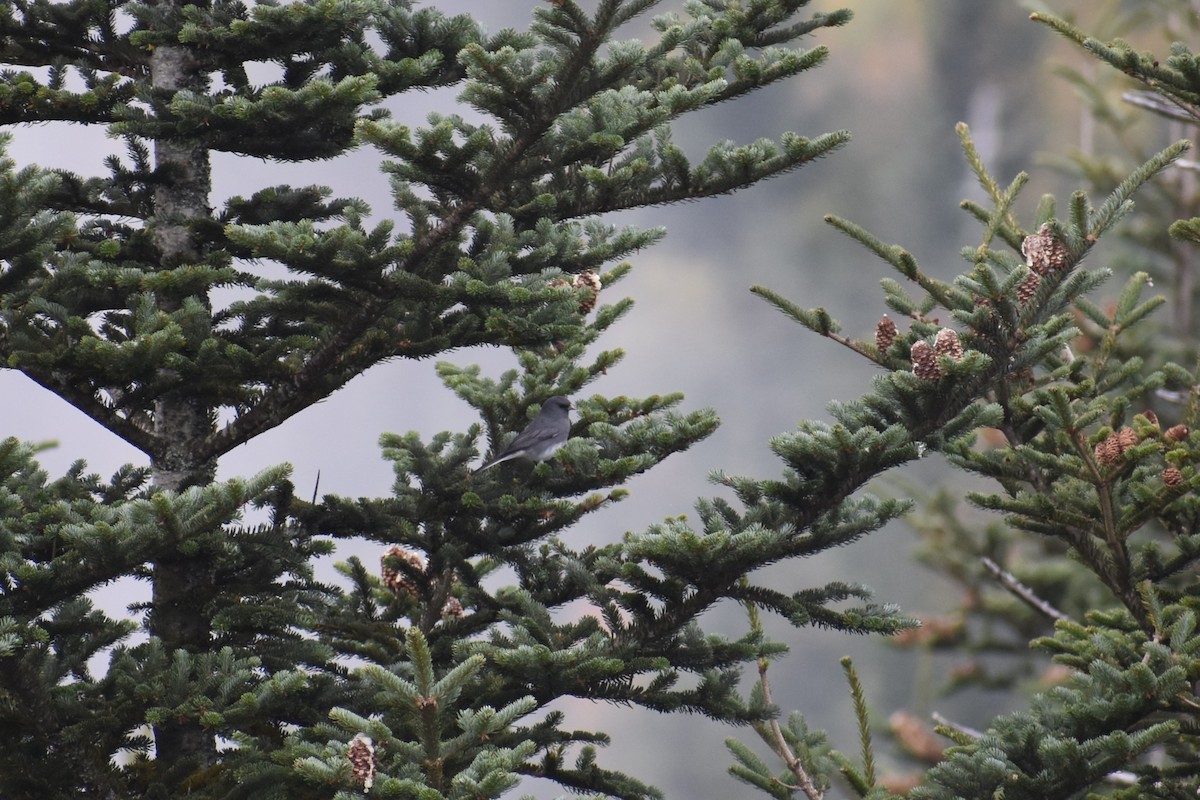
539 440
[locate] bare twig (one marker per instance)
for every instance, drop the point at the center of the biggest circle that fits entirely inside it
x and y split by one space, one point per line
781 746
1010 582
943 721
1156 103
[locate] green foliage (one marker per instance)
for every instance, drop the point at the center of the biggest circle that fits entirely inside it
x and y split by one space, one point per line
188 330
441 675
412 715
810 747
1088 446
63 538
1130 691
1101 466
1131 107
1033 359
494 215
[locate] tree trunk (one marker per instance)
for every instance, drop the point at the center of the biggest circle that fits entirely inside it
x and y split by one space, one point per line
183 587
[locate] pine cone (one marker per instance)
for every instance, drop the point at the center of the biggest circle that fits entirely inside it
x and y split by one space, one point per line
1127 437
589 284
1177 433
1112 449
946 343
394 578
1109 451
1044 252
1027 288
363 761
885 333
924 361
1172 477
452 608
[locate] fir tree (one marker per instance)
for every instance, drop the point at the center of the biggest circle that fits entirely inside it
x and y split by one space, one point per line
423 679
1089 412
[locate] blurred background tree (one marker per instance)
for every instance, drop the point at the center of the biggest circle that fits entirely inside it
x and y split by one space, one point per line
1093 468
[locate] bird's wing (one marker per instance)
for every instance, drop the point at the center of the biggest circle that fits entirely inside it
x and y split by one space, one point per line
531 437
525 440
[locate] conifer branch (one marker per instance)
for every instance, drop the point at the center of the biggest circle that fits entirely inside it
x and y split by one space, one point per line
1117 203
961 734
779 743
1167 107
1010 582
1002 200
862 716
817 320
91 405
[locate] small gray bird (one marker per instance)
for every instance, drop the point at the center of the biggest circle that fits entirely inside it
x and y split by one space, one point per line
539 440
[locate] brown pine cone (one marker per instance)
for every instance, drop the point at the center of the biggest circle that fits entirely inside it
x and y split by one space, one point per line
394 578
1027 288
588 282
1172 477
452 608
1044 252
946 343
1108 452
924 361
363 761
1127 437
1177 433
885 333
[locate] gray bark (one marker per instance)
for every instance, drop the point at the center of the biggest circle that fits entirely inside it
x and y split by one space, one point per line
183 587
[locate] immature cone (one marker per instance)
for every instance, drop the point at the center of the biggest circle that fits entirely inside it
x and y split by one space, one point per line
1172 477
589 282
1177 433
885 333
1127 437
1112 449
363 761
394 578
1027 288
924 361
1044 252
1108 451
946 343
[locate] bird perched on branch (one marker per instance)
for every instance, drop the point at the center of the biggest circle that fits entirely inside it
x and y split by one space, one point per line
539 440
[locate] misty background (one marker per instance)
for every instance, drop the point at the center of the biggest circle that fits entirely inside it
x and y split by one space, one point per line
899 77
